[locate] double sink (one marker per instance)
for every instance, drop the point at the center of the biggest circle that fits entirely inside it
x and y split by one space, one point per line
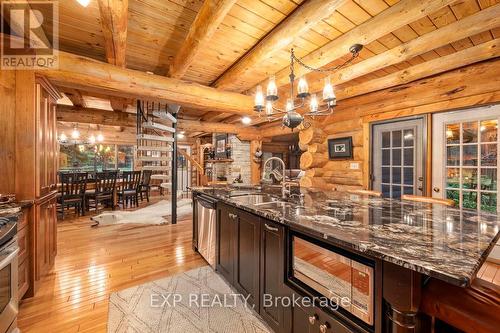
263 200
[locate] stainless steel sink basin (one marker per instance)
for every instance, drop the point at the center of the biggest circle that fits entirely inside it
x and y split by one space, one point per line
257 199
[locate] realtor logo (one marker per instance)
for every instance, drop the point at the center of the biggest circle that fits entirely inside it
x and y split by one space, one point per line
30 35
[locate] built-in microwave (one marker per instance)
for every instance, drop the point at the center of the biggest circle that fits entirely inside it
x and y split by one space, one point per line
327 272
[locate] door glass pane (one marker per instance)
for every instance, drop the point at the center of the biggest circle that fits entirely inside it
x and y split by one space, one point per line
396 175
408 138
408 176
453 177
386 175
469 132
386 156
489 179
469 199
386 139
489 130
453 195
489 202
396 192
408 156
453 155
489 154
386 191
469 178
469 155
396 138
396 157
452 133
408 189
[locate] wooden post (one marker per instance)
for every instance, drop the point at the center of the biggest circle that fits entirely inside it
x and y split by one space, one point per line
255 164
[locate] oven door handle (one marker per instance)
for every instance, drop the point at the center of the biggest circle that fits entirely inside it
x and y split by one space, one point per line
7 259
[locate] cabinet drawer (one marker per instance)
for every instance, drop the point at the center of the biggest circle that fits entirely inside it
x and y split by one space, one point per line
23 278
23 242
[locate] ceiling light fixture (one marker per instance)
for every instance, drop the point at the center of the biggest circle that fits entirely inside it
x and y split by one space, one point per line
180 135
63 137
291 117
75 134
84 3
100 137
246 120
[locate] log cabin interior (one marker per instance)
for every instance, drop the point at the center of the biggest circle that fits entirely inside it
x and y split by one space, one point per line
287 166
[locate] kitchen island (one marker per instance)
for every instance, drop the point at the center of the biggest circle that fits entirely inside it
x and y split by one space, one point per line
395 246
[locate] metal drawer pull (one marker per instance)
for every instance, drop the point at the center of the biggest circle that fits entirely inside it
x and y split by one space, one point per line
268 227
312 319
323 328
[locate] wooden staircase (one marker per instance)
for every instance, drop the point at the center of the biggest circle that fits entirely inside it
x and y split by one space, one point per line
155 140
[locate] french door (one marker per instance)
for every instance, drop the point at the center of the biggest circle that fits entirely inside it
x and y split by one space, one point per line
397 155
465 157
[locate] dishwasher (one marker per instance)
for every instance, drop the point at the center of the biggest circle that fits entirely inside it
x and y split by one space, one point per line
205 227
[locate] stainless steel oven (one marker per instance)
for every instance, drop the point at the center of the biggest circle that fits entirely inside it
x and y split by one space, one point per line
8 284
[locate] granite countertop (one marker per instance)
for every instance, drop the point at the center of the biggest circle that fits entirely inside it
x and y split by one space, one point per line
439 241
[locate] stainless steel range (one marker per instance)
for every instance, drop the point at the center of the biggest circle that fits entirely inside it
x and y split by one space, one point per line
8 269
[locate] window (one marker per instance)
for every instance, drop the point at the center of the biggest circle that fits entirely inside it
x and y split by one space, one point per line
96 157
471 163
125 158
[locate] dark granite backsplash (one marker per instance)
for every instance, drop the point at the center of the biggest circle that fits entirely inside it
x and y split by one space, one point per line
439 241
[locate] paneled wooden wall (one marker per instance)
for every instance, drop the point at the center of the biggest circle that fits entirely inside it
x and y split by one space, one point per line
7 131
470 86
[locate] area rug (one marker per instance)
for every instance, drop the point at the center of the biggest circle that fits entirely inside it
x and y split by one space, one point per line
198 300
158 213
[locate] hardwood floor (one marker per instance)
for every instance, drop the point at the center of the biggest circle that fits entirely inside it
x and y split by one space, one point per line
93 262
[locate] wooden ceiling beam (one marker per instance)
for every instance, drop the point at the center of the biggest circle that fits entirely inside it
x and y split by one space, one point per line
205 24
114 22
75 96
301 20
452 61
109 118
92 75
94 116
391 19
483 20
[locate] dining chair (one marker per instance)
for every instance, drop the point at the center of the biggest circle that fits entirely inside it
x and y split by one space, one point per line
145 186
129 190
72 191
417 198
104 190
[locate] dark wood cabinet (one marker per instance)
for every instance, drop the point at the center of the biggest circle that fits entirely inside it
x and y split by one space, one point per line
225 242
272 275
238 250
247 255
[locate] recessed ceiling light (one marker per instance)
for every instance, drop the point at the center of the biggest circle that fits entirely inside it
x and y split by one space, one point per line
84 3
180 135
246 120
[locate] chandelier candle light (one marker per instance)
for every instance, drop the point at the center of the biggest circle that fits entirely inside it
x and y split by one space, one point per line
292 118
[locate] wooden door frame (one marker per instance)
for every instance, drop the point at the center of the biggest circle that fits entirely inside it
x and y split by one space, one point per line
368 125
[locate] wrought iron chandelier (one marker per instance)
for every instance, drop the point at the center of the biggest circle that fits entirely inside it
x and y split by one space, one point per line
291 118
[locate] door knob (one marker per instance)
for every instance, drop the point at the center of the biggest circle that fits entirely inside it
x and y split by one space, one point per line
312 319
436 189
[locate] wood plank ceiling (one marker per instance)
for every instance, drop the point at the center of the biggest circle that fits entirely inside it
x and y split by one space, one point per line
157 29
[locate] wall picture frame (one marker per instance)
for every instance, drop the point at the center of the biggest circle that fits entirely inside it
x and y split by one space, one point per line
340 148
220 145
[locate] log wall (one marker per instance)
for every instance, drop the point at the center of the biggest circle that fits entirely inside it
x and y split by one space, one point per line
470 86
